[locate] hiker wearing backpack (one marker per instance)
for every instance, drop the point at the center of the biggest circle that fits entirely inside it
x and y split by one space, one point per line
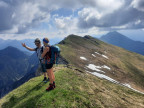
47 55
39 50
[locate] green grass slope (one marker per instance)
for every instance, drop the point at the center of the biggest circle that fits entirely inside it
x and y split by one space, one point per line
74 89
126 66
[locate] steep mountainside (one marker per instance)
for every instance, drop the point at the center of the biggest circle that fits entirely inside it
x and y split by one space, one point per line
104 60
14 65
120 40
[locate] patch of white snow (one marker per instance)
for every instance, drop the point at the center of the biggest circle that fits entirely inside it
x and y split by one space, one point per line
83 58
105 56
93 55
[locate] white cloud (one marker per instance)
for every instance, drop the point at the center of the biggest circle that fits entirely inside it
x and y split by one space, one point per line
28 14
109 6
60 23
3 4
93 17
66 24
138 4
89 13
138 22
19 16
102 8
111 15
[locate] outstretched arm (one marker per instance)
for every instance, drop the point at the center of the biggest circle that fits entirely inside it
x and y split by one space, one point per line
31 49
45 51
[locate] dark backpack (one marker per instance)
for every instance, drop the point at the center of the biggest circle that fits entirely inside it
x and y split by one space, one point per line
53 55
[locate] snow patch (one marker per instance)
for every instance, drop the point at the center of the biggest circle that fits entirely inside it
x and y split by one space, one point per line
106 67
102 55
103 76
105 56
129 86
93 55
112 80
83 58
97 53
93 67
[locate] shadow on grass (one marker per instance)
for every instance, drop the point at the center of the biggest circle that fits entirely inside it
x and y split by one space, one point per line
14 99
31 102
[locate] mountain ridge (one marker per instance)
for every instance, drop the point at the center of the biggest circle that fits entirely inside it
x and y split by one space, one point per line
125 64
91 63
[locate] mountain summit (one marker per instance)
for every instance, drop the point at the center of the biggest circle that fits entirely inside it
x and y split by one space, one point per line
120 40
115 35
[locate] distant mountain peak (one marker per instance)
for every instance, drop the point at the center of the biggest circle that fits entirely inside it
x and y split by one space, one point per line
12 52
114 32
10 48
115 35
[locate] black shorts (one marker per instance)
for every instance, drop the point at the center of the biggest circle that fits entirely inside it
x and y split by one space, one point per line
49 66
43 67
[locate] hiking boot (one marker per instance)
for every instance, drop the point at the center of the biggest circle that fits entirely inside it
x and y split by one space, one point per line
54 85
44 79
50 87
47 80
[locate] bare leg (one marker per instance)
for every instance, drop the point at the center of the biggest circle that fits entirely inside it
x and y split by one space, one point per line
47 74
52 78
51 75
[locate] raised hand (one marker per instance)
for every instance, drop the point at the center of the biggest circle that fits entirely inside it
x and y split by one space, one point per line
23 44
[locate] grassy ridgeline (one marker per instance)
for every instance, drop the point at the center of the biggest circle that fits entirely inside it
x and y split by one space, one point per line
73 89
126 66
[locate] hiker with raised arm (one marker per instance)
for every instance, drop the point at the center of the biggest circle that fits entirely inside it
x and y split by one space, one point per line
39 50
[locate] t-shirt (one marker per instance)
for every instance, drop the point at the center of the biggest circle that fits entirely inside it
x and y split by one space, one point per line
39 51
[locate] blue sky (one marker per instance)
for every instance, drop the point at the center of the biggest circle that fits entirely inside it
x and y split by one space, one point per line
29 19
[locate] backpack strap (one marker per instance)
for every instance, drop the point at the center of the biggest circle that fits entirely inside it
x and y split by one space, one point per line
42 49
36 50
48 55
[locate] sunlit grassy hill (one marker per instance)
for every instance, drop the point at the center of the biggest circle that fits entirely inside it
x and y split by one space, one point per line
74 89
125 66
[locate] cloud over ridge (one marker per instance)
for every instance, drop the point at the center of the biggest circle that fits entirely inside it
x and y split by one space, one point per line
21 16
